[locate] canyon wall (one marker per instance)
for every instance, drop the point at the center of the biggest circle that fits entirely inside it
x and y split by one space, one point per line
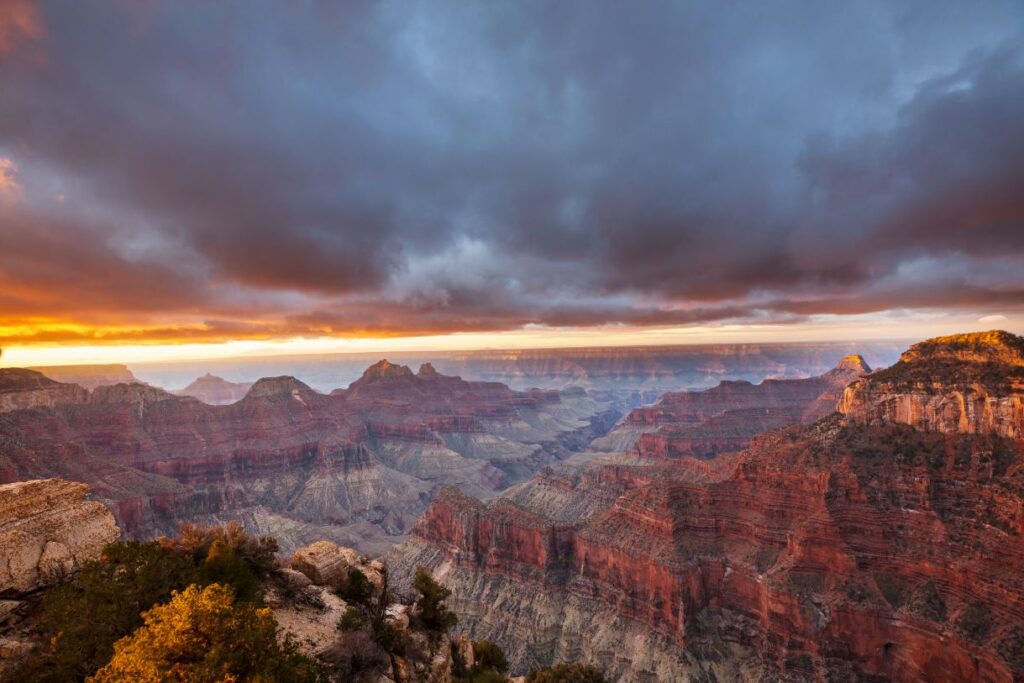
631 376
846 549
215 391
357 466
968 384
724 418
24 389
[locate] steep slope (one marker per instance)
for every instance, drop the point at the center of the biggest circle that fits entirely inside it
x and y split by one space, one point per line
724 418
848 549
981 387
357 466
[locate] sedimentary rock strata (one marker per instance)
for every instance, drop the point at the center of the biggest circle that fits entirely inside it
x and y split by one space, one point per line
705 423
47 529
968 384
357 466
847 549
22 389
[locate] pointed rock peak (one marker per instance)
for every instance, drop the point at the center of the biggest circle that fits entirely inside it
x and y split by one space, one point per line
427 370
854 363
384 370
277 386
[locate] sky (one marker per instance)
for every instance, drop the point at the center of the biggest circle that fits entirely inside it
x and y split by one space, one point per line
202 179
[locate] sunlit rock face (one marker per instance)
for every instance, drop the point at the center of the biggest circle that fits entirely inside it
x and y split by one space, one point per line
706 423
47 530
968 384
846 549
357 466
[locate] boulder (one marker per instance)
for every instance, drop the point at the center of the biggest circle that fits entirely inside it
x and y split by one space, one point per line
47 530
325 563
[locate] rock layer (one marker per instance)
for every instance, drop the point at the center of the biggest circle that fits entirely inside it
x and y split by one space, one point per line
706 423
968 384
47 529
22 389
846 549
356 466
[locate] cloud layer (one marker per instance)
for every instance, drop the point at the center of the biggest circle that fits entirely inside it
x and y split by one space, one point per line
229 170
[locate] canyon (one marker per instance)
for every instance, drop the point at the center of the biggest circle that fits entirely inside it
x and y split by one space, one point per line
724 418
630 375
874 543
356 466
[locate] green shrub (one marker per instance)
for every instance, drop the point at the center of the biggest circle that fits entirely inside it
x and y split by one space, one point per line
205 635
351 620
357 588
566 673
223 565
489 656
433 613
83 619
196 540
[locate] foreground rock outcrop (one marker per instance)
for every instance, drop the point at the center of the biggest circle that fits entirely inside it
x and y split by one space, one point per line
47 529
357 466
847 549
306 599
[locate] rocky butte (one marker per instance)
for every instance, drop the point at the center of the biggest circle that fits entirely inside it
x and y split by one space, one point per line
89 376
357 466
214 390
884 542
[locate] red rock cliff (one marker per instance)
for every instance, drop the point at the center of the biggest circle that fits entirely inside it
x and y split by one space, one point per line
845 549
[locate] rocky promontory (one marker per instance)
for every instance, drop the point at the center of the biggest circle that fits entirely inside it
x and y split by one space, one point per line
47 529
966 384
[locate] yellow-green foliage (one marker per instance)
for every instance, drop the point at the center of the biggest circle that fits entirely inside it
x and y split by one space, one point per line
203 635
433 612
566 673
82 619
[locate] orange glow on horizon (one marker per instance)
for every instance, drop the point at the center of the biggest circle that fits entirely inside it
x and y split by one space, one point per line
127 345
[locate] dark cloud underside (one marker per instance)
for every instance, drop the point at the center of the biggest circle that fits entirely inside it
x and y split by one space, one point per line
212 170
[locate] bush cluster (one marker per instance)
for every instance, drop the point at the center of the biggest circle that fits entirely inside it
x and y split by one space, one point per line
81 621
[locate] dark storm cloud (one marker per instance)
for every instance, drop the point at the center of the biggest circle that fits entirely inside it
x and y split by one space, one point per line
272 169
